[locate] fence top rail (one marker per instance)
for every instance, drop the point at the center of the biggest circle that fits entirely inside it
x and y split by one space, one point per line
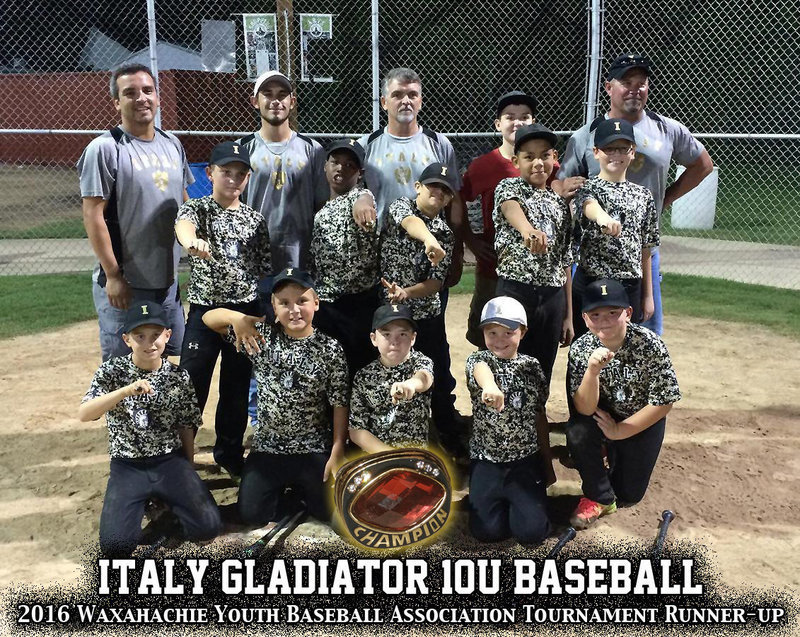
205 133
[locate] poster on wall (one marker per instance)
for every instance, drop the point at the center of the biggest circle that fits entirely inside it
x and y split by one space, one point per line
316 36
260 43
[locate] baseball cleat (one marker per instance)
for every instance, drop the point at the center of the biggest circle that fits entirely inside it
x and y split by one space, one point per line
588 512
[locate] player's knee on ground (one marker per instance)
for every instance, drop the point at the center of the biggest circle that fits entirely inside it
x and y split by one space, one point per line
531 531
580 431
488 529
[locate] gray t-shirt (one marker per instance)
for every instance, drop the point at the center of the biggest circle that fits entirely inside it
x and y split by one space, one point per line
393 164
287 186
657 143
150 177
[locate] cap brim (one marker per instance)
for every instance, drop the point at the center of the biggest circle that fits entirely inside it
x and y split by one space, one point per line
551 138
391 319
517 99
229 160
348 149
593 306
512 325
618 74
438 180
145 321
290 279
282 79
613 138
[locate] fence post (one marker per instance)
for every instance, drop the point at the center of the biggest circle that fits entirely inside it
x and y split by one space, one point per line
151 36
376 79
595 48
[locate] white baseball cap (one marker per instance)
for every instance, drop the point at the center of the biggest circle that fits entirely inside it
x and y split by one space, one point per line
271 75
504 311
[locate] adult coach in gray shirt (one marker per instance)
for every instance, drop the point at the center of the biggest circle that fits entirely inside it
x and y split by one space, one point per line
659 140
133 178
396 155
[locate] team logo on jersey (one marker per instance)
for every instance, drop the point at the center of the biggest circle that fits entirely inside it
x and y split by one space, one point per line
161 179
402 175
141 418
287 380
232 250
516 400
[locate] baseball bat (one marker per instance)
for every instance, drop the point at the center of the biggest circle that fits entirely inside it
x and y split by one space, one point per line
565 537
666 517
289 521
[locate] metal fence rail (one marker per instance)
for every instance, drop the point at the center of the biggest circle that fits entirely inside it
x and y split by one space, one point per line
719 67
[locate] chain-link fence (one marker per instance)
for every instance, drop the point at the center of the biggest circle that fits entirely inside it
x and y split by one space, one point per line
728 84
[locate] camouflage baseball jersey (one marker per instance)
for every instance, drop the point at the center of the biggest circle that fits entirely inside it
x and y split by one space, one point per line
545 211
640 373
298 379
403 259
604 256
147 425
510 434
402 425
344 258
239 248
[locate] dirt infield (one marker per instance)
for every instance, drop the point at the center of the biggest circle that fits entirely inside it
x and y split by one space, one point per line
729 467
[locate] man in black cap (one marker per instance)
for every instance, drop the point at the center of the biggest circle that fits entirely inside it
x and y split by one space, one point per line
659 141
623 386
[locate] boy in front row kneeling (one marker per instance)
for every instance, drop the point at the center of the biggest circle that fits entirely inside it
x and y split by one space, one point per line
510 448
302 377
390 406
151 411
623 386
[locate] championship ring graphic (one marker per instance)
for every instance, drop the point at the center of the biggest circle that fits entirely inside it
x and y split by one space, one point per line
393 499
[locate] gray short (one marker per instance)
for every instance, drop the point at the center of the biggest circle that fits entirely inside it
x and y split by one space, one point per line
112 319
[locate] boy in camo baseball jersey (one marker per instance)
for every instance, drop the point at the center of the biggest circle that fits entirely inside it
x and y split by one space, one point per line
416 250
390 406
532 240
623 386
151 412
510 448
344 258
302 386
619 223
228 245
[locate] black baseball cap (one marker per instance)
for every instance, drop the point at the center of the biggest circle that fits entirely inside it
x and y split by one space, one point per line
516 97
604 293
293 275
533 131
392 312
625 62
439 174
144 313
229 152
350 145
612 129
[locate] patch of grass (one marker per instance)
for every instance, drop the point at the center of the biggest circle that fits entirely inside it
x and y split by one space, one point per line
30 304
70 228
467 283
773 308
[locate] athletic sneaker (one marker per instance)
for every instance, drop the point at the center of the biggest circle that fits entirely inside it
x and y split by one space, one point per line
589 511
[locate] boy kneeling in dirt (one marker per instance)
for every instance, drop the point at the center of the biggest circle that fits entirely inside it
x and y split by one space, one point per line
623 385
151 410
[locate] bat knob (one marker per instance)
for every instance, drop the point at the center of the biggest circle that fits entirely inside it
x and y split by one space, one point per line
667 515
